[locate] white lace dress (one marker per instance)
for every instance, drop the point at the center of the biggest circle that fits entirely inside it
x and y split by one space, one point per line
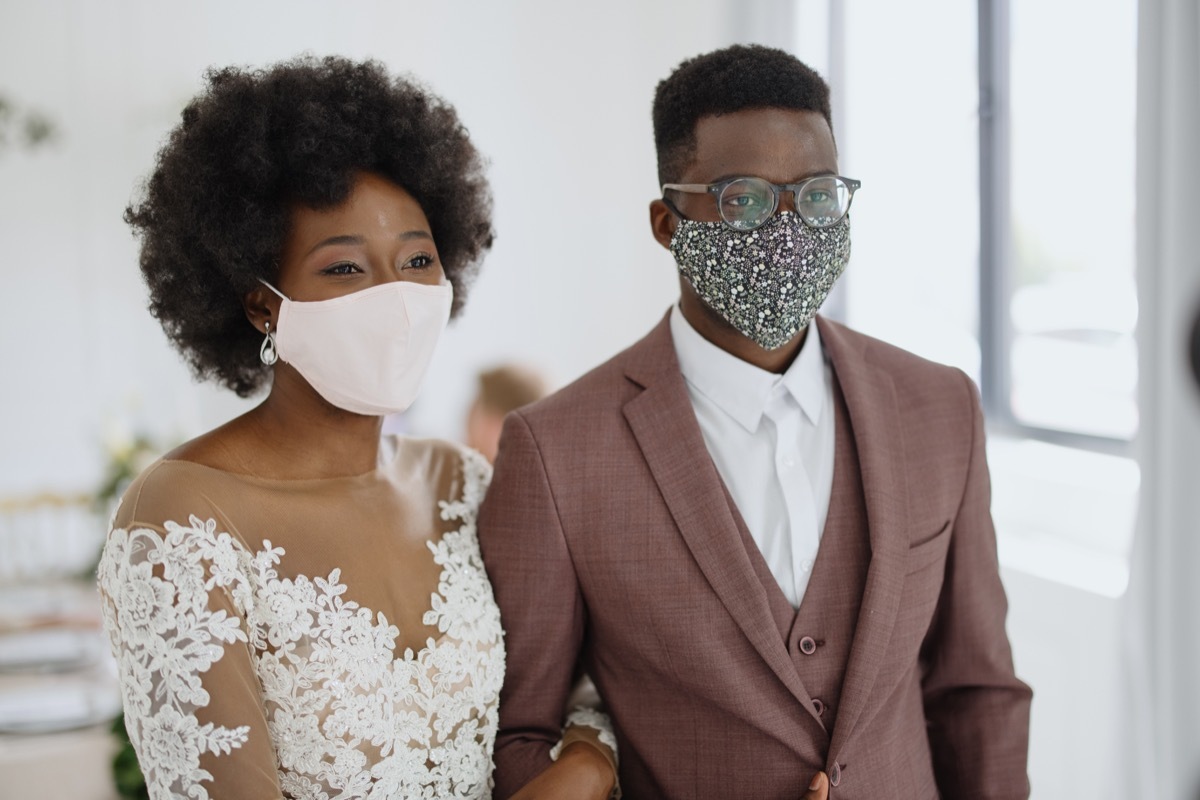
312 639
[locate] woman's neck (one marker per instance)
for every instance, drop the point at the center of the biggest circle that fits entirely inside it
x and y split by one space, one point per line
295 433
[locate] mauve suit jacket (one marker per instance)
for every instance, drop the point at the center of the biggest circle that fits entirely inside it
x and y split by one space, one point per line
612 548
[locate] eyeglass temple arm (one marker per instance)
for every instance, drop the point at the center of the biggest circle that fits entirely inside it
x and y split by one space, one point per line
698 188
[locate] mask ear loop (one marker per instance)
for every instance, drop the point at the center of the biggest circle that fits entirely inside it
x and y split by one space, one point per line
282 296
267 352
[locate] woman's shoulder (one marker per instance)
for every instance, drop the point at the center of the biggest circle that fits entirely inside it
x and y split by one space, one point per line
169 490
176 483
458 472
429 453
207 476
166 527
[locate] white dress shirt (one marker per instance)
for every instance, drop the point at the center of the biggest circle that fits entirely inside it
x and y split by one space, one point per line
772 439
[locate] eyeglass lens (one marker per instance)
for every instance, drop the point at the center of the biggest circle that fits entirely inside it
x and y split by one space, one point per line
747 203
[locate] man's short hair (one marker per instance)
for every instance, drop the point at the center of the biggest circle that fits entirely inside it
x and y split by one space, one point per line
722 82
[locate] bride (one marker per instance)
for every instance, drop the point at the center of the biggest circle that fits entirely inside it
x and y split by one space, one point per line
296 603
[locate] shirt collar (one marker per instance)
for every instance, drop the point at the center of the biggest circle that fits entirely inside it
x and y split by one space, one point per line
741 389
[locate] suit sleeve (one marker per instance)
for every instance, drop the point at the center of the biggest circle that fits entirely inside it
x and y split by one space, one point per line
521 538
977 711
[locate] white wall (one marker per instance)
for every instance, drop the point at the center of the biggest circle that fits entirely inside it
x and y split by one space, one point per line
556 94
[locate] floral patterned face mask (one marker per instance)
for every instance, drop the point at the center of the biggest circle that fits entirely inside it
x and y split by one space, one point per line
767 283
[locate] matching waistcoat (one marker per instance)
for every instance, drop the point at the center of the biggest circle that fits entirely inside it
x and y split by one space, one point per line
818 635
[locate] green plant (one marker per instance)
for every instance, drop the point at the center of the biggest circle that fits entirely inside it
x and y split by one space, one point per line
127 775
23 127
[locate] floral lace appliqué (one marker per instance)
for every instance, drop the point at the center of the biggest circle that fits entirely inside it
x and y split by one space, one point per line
348 717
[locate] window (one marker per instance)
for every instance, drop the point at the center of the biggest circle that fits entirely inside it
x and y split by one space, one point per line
908 94
1058 303
994 232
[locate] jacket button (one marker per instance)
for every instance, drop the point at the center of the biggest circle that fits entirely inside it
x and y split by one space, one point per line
835 774
819 706
808 646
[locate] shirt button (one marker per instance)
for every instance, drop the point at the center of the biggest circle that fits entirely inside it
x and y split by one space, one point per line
807 565
808 646
819 706
789 462
835 774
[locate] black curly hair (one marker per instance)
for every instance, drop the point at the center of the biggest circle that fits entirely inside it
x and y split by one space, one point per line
722 82
256 143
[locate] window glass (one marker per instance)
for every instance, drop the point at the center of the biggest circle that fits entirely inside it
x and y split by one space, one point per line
1073 305
911 135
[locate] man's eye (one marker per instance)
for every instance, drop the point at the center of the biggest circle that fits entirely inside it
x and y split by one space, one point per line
818 196
742 201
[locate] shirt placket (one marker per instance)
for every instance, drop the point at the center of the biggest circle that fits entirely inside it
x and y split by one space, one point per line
795 487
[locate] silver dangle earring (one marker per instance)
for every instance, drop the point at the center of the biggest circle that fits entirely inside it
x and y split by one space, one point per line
267 352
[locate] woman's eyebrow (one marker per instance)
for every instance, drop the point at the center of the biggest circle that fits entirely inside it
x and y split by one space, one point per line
332 240
355 239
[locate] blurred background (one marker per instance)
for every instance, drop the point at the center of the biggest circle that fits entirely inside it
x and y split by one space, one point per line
1028 213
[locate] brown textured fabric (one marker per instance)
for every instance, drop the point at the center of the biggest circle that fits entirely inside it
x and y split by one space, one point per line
610 541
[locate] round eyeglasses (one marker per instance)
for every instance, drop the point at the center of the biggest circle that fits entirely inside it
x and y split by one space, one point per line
746 203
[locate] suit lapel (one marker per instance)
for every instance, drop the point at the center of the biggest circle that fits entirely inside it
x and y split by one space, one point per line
664 424
870 396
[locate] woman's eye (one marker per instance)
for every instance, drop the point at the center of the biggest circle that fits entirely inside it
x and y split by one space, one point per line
419 261
341 268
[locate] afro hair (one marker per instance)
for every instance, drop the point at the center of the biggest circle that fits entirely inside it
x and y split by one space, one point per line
255 144
722 82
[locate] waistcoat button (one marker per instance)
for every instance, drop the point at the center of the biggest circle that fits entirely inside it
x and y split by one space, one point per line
808 646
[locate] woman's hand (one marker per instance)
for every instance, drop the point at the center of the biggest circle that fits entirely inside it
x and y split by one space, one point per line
580 773
818 789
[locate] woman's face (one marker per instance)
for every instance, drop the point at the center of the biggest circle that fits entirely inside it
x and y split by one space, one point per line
379 235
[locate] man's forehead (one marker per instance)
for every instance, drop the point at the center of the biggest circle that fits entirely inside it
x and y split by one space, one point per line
778 144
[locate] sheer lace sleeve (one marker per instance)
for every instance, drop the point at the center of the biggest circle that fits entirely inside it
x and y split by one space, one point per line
174 597
588 723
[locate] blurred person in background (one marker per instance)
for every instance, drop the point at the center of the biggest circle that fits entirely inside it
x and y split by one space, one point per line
500 390
766 537
297 603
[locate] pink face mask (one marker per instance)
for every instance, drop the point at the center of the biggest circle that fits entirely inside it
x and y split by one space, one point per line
365 352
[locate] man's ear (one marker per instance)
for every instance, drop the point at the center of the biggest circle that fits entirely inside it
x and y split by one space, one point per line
662 222
261 306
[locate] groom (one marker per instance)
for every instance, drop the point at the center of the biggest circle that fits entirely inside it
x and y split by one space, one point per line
766 537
